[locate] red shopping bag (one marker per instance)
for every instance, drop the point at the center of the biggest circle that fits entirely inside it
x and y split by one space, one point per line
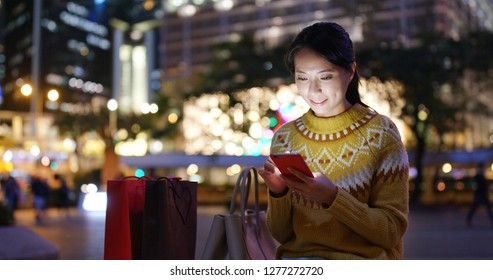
124 216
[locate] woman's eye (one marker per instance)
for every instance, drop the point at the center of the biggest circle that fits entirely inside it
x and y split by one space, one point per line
326 77
301 78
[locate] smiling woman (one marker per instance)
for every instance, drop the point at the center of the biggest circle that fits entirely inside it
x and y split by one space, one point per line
356 204
321 83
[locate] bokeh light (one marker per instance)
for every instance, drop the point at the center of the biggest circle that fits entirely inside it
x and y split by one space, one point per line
139 173
8 156
446 168
26 89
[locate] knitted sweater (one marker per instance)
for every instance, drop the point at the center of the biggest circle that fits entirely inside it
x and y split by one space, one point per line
362 153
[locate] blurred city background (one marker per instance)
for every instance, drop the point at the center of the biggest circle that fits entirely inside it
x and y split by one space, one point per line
99 89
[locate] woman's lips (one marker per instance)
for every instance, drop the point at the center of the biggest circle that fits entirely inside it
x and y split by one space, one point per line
318 103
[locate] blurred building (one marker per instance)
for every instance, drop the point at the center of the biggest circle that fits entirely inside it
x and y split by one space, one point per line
60 51
83 49
136 76
2 54
191 27
73 41
73 56
93 50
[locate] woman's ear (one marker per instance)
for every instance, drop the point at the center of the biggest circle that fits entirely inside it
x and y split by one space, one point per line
352 71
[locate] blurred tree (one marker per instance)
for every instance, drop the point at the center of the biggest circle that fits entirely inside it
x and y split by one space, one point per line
235 65
240 65
432 73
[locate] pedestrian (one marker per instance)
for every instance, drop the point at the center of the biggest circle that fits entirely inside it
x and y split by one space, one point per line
481 195
6 214
62 194
11 190
41 193
356 205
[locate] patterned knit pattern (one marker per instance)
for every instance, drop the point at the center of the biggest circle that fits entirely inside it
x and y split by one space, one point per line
362 153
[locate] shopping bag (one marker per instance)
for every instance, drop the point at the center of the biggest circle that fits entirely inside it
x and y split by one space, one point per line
241 234
170 219
150 219
124 215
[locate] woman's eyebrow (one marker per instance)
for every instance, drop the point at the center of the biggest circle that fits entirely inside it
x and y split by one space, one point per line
321 71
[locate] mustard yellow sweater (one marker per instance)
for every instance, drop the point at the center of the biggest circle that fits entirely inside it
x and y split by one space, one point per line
362 153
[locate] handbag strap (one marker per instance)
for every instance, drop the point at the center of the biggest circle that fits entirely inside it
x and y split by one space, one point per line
242 188
239 190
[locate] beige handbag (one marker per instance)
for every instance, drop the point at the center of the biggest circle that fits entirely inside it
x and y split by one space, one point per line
243 234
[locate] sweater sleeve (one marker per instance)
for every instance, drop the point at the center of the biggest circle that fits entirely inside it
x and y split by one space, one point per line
383 220
279 217
279 209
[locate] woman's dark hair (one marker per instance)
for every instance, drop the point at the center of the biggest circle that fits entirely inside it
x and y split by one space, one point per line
332 42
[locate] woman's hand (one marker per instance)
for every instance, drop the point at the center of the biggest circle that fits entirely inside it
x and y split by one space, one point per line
272 178
318 188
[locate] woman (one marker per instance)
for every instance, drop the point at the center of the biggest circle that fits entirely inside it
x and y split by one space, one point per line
356 205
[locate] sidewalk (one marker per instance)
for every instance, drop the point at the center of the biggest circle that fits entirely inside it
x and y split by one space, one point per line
434 234
440 233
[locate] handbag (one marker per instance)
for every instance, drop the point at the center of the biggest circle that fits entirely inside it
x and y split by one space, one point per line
241 234
142 217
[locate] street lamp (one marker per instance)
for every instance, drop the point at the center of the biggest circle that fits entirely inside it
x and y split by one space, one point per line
112 106
53 95
147 108
26 89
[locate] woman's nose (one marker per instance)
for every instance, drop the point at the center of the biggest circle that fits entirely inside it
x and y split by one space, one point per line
314 87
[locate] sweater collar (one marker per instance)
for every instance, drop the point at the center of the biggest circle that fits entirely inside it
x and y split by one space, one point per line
350 119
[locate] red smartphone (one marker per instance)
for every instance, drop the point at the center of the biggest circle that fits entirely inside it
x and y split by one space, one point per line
293 160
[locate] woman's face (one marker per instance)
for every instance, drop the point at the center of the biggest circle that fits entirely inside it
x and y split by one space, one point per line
322 84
